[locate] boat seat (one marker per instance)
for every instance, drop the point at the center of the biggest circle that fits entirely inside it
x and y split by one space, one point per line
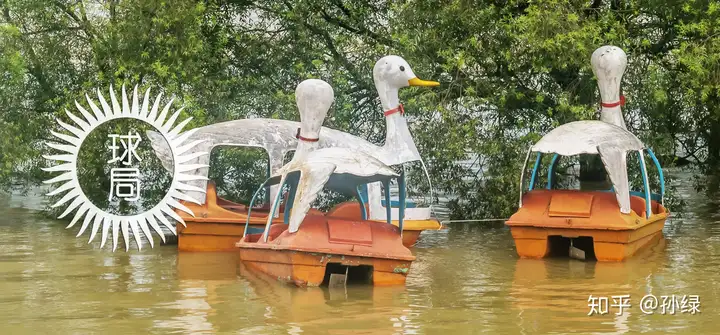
637 205
257 211
254 234
346 210
275 230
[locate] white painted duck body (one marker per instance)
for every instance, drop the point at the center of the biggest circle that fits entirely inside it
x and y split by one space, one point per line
278 137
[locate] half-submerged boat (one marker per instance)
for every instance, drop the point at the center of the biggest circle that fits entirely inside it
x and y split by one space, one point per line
611 225
218 223
311 250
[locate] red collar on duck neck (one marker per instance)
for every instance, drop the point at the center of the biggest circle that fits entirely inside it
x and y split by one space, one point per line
615 104
305 138
399 108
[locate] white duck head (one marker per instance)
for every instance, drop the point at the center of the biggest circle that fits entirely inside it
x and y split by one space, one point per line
608 64
313 98
392 73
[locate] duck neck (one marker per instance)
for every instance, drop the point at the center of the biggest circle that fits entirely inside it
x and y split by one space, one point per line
397 133
613 115
611 111
304 148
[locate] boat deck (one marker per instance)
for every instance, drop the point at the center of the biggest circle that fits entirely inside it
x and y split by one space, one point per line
219 224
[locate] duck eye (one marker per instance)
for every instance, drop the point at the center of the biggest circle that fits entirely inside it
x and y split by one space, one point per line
402 68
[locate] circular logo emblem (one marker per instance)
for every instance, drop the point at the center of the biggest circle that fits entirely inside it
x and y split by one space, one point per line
124 181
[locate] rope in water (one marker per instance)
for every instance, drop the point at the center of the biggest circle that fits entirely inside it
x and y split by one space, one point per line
472 220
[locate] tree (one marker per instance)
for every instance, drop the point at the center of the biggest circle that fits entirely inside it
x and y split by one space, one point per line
510 71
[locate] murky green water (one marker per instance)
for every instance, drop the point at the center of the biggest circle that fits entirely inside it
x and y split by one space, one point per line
467 280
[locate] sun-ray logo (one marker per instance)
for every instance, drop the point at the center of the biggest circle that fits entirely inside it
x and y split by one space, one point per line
154 217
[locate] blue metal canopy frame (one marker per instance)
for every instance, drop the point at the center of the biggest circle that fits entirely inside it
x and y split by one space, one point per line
551 169
293 184
661 176
646 185
643 170
534 172
363 190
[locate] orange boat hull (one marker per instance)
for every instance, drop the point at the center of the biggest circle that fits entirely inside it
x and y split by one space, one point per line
308 268
219 224
548 217
410 237
302 258
202 236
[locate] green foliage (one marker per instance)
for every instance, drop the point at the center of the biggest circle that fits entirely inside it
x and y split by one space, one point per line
238 172
510 71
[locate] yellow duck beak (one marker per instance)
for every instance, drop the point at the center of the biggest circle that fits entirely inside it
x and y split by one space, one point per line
419 82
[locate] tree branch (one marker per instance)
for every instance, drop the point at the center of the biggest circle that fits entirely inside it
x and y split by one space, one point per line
82 23
52 30
342 7
359 30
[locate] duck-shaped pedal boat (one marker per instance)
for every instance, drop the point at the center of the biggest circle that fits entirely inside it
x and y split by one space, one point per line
218 223
312 250
613 225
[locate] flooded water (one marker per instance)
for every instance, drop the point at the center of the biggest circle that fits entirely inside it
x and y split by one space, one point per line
467 280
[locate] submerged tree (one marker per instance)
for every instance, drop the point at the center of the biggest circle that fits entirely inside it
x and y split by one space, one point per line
510 71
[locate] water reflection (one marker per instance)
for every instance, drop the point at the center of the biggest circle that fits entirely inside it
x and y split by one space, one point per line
211 284
561 288
201 278
318 309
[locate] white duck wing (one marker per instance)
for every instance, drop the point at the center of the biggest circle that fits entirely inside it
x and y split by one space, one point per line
162 149
276 135
338 169
311 182
615 160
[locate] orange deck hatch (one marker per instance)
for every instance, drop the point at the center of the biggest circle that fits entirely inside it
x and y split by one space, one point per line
349 232
577 205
